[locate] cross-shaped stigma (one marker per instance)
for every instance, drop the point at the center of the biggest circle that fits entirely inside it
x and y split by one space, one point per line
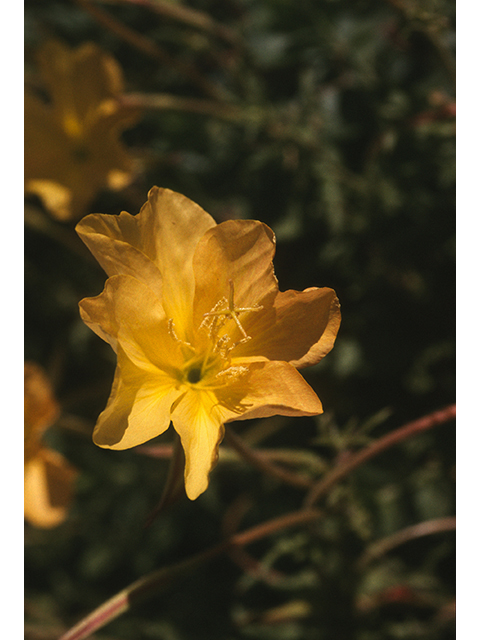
232 311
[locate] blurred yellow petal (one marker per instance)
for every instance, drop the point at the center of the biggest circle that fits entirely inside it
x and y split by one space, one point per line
72 143
48 489
48 477
40 406
89 76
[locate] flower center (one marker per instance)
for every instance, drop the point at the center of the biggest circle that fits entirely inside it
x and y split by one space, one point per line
194 375
209 361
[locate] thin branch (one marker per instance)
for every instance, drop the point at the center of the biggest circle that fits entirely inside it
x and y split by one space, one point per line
265 529
234 514
427 528
169 102
41 222
144 588
263 464
254 568
186 15
149 48
290 457
372 450
174 487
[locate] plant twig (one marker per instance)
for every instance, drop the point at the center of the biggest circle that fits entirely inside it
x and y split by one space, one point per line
289 457
263 464
169 102
191 17
174 487
373 449
147 585
150 48
427 528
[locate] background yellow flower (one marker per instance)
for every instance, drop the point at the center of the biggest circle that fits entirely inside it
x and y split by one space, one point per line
72 139
49 478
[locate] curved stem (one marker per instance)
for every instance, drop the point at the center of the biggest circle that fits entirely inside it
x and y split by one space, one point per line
372 450
150 48
427 528
174 487
263 464
213 108
188 16
149 584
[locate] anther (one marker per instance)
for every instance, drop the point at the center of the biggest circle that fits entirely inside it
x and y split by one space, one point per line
173 334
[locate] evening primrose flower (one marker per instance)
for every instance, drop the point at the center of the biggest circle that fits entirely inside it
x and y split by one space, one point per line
48 477
72 144
203 336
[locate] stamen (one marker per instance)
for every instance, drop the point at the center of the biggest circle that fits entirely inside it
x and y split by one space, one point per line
231 311
222 345
231 373
173 334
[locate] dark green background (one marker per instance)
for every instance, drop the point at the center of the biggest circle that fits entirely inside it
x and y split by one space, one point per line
347 151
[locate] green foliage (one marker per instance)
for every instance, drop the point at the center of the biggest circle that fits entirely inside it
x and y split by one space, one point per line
342 140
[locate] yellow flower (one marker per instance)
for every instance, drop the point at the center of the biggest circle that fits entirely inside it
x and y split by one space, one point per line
48 477
202 333
72 145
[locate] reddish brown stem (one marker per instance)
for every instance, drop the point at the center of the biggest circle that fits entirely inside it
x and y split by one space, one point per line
150 48
372 450
188 16
147 585
427 528
260 462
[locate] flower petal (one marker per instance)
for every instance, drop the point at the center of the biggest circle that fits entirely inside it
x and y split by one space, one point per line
171 227
146 380
240 251
300 328
117 244
198 421
138 408
98 313
270 388
127 313
112 423
41 408
156 246
47 488
46 145
79 79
